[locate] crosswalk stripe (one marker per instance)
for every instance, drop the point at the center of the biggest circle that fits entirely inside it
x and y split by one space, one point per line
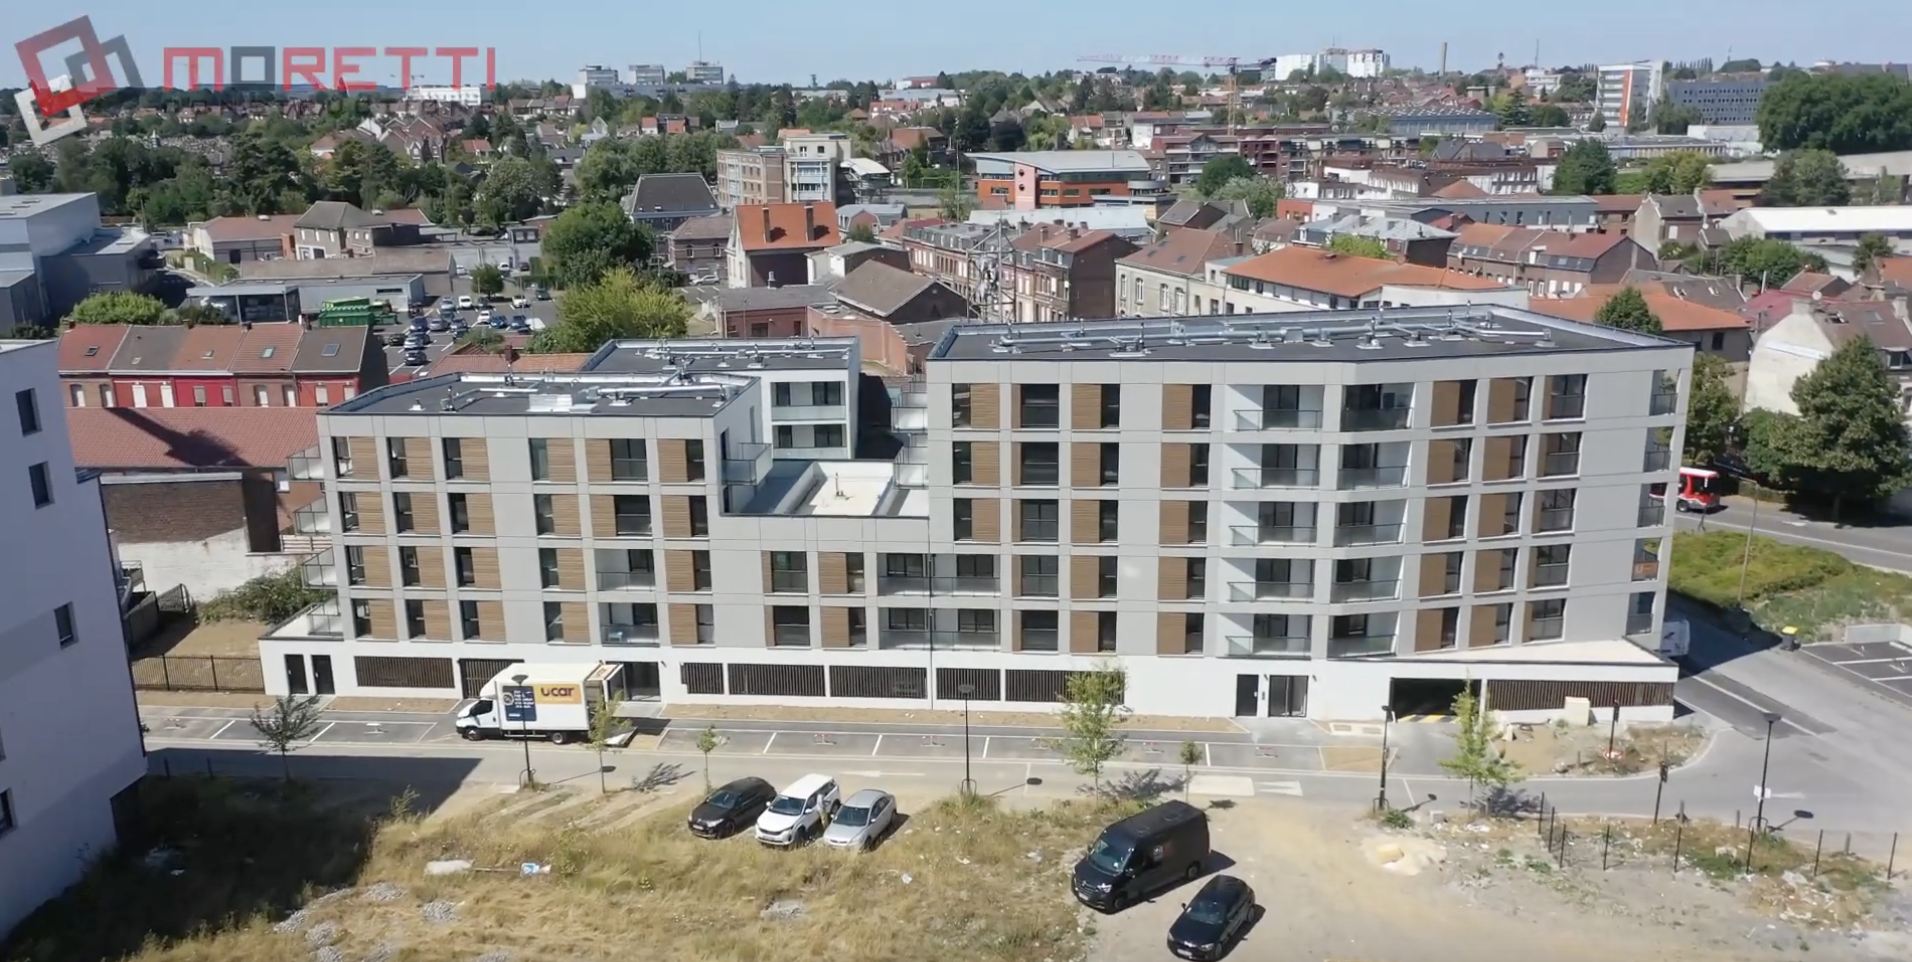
1281 788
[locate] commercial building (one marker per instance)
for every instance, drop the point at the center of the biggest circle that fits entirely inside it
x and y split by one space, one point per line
1627 92
1304 515
702 72
750 177
1729 101
1820 225
468 95
70 746
54 252
1032 179
649 75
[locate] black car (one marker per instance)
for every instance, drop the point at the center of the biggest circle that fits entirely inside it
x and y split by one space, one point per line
395 339
731 808
1214 919
415 358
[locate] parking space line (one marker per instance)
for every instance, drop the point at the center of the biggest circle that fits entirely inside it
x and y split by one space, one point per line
222 728
766 744
986 745
1871 661
1783 719
321 734
878 747
1208 754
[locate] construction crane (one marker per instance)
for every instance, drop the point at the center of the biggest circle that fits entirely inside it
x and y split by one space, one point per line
1234 65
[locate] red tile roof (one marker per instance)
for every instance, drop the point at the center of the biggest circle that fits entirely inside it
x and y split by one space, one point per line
89 348
178 439
1675 314
268 349
1330 273
772 227
485 362
1896 270
1460 189
209 347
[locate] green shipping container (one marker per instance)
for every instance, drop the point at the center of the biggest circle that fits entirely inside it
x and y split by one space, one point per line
356 312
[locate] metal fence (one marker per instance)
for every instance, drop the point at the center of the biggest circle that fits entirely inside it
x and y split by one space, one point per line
1677 843
199 673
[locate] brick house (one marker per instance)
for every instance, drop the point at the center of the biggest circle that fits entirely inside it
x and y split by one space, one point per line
1059 272
760 312
697 246
218 365
769 242
1546 263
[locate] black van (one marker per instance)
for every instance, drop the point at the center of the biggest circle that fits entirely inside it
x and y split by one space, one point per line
1141 855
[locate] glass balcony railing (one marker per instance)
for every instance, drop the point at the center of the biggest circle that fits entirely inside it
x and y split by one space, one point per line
807 412
1651 515
1275 419
1373 419
1270 590
314 518
1550 576
1242 535
1639 624
945 585
630 634
1560 464
1359 534
1360 646
318 571
1350 479
1364 591
324 619
1664 404
1566 407
1657 460
307 465
1255 479
612 580
920 639
1265 646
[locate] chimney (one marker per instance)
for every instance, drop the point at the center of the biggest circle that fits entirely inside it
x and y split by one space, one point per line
766 222
1238 248
1073 233
809 222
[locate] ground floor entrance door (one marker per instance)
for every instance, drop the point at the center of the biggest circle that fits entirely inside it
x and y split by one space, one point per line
1287 696
1247 695
322 683
641 681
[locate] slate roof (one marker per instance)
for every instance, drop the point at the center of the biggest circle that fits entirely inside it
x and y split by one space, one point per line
670 194
1184 252
336 215
877 288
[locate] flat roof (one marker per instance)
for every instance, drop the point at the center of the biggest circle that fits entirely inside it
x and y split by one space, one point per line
720 356
27 205
1394 334
572 395
242 289
1070 161
1609 651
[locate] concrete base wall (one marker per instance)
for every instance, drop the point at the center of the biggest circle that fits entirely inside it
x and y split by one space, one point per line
206 567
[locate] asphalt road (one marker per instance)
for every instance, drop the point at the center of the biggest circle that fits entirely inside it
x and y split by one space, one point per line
1881 546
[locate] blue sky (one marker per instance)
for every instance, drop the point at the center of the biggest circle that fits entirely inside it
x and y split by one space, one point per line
769 41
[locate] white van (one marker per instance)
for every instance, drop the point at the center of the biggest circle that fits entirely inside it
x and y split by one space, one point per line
800 812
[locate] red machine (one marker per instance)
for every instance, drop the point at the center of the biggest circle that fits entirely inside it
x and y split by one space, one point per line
1697 490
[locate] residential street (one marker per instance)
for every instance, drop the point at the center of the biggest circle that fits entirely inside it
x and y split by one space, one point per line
1880 546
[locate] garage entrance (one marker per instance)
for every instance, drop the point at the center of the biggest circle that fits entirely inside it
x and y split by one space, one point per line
1427 696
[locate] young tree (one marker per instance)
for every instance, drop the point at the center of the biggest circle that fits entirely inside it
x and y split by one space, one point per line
707 742
1355 245
1851 440
1219 171
605 725
862 234
1261 194
1476 757
1191 755
119 307
288 721
1807 178
1586 168
1092 715
487 280
618 305
1628 311
1711 410
1871 249
954 205
589 240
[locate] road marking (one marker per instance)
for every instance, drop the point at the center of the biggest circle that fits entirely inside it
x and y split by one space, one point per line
878 747
887 774
986 746
1281 788
321 734
1411 797
1240 786
222 728
1900 660
1783 720
1208 754
766 744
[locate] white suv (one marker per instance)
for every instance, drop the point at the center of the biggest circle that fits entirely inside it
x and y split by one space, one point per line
800 812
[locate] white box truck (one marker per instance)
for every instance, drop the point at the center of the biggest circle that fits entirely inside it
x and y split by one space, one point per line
1676 638
552 701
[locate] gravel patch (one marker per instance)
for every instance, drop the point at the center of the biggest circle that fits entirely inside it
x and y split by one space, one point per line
324 933
328 953
440 911
292 923
384 892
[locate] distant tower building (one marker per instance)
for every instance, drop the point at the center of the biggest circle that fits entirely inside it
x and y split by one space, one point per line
1628 91
701 72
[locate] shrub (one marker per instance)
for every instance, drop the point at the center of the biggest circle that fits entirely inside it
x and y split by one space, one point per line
267 598
1706 567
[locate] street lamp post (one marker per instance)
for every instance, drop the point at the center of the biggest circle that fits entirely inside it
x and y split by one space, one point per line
1613 728
1387 715
1759 815
524 722
969 784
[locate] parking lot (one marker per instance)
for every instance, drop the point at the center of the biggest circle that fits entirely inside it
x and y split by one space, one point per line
233 725
1884 667
443 341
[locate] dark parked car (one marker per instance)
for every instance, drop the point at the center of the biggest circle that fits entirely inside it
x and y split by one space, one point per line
731 808
1213 919
1142 854
395 339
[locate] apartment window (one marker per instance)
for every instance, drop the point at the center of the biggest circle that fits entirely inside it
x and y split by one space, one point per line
348 511
1556 510
199 395
1666 393
342 457
853 571
1197 578
1041 520
106 395
694 459
1105 631
543 509
1040 576
414 619
1550 565
707 624
1450 570
1105 576
408 566
1463 464
1659 450
1504 572
291 393
1560 455
699 517
454 452
29 411
790 626
960 410
1041 406
1523 397
1640 613
789 572
1566 397
1202 398
632 515
76 395
1464 402
1547 619
261 397
468 627
361 619
466 570
540 459
629 460
354 565
1107 521
1510 514
1192 631
322 395
553 621
548 567
459 507
41 482
1039 630
1198 522
1198 465
1503 622
1040 464
402 517
1111 415
63 625
1450 627
699 570
963 516
1111 457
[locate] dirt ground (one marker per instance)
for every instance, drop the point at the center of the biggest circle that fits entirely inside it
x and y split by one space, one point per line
1011 719
1559 750
232 639
200 699
1326 897
429 706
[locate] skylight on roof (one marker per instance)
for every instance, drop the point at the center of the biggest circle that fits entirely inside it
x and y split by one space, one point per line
331 350
206 356
267 352
92 351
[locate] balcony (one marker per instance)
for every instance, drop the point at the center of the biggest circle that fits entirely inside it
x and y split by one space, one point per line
318 571
1347 536
307 465
1566 407
812 452
1664 403
1646 570
1638 623
1268 646
1343 591
313 519
1373 419
613 580
630 635
1651 515
1560 464
920 639
1550 576
1038 586
808 412
1657 460
1260 479
1360 646
1276 419
1243 535
1270 590
323 619
740 462
918 585
1351 479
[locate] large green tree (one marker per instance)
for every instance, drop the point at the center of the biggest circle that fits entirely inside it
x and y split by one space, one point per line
1767 261
1628 310
617 305
1849 441
1681 172
120 307
590 239
1843 113
1711 410
1220 171
1355 245
1871 249
1807 178
264 177
1586 168
1261 194
515 189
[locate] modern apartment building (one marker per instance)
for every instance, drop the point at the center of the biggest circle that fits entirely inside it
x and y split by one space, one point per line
703 72
1036 179
69 733
750 177
1302 514
1727 101
1627 92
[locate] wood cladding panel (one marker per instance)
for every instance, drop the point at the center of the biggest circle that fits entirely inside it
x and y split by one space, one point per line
1174 523
680 571
986 520
480 514
1171 633
1487 573
425 518
1084 636
1177 464
491 621
603 516
683 624
364 455
1436 515
571 569
1084 575
1178 407
833 573
836 627
577 622
597 460
1433 577
382 618
1492 518
1503 401
1447 404
1441 467
1085 464
484 568
371 511
437 620
1427 629
431 566
1085 522
676 514
1085 407
476 454
1480 627
1171 579
564 516
985 406
985 463
561 460
378 565
673 461
419 463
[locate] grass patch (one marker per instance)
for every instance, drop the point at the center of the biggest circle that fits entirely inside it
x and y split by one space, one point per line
957 881
1782 880
1809 589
